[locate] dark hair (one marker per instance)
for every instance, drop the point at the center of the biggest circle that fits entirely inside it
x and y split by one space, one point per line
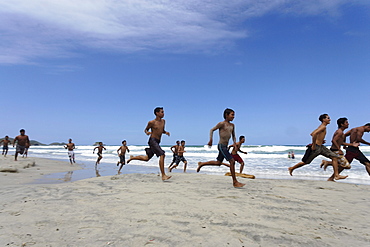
323 116
123 141
157 109
227 112
368 124
22 130
241 137
341 121
182 141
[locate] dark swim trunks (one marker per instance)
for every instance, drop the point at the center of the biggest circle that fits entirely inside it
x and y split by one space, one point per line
122 159
180 158
154 148
174 158
5 148
355 153
320 150
223 153
20 149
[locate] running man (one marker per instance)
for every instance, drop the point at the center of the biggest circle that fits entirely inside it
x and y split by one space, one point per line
317 148
157 127
174 149
226 130
121 151
71 154
355 152
180 157
100 152
236 149
5 142
338 141
22 141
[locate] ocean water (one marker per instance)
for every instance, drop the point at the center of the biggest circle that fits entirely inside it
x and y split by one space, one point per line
262 161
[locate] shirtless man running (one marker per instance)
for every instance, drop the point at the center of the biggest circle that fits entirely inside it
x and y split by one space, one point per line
70 146
317 148
355 152
5 142
180 157
226 131
22 141
121 151
235 151
338 141
174 149
157 127
100 152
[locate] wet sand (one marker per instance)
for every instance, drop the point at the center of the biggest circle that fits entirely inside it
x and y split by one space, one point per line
188 210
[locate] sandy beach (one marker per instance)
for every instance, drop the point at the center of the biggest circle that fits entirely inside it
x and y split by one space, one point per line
189 210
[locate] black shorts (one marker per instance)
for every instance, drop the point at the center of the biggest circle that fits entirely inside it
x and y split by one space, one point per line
154 148
355 153
174 158
122 159
180 158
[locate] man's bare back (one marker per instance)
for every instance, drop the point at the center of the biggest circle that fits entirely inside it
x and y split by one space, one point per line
356 135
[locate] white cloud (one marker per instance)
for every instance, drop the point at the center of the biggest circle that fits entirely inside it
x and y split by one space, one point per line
57 28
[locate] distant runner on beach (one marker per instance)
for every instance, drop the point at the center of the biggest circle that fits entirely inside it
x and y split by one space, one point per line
174 149
226 130
100 152
353 152
317 148
70 146
5 142
236 149
22 141
121 151
157 127
180 157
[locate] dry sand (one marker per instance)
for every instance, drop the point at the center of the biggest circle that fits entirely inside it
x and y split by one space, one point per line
189 210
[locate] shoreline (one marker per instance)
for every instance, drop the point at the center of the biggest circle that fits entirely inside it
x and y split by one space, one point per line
30 169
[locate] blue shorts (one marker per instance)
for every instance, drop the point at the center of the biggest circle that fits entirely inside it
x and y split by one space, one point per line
223 153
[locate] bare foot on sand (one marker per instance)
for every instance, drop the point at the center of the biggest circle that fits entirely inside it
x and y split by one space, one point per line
290 169
165 177
199 166
340 177
238 185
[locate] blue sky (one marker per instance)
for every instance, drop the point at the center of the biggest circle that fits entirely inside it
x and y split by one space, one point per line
95 70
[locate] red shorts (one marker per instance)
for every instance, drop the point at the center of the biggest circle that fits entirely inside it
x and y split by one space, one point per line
237 158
